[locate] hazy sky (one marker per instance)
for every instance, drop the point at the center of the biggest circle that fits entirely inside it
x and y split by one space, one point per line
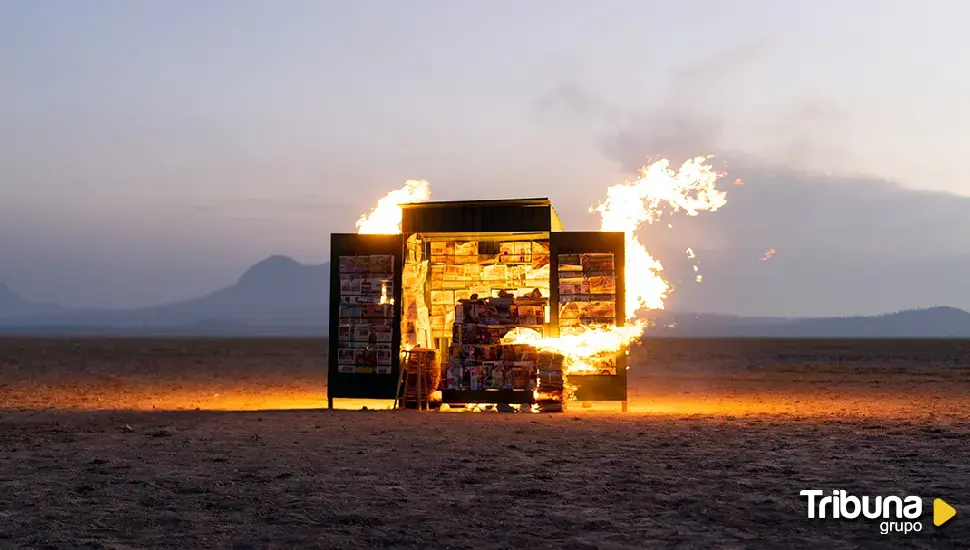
151 151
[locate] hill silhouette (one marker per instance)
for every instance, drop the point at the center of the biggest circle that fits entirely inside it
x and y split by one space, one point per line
13 306
933 322
274 283
10 301
280 296
275 296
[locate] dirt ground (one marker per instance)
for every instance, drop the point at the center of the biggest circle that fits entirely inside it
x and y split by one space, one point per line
721 437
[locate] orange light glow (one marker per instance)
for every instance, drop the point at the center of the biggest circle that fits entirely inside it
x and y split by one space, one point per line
385 299
385 218
657 190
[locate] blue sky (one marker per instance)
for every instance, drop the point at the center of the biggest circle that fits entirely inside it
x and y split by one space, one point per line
150 151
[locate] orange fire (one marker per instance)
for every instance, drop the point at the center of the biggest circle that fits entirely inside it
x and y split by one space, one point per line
768 255
385 218
385 299
657 190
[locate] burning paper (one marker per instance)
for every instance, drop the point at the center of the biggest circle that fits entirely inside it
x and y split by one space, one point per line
657 190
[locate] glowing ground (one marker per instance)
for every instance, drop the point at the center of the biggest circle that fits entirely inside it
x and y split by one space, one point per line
748 424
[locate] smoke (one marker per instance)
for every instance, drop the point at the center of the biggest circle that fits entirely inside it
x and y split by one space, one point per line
847 244
696 114
690 119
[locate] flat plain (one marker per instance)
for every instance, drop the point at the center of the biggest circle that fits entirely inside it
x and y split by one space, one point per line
179 443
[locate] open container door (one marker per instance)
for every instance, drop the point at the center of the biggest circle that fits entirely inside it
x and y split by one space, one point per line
587 288
365 302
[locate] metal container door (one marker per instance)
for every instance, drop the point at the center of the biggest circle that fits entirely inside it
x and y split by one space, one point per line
587 289
365 314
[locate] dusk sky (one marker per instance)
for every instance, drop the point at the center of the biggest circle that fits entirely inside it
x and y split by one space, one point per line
153 151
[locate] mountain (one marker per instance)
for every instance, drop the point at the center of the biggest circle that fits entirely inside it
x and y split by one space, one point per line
276 296
276 292
934 322
10 302
13 306
280 296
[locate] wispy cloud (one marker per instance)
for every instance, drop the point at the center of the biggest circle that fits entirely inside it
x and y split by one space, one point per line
692 117
274 206
836 232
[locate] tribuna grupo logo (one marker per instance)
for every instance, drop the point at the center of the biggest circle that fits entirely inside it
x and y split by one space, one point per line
898 514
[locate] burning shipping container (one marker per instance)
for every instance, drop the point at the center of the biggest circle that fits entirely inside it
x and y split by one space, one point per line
485 286
499 302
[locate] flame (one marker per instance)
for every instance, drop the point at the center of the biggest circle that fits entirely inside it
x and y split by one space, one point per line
690 254
658 190
385 299
385 218
768 255
583 350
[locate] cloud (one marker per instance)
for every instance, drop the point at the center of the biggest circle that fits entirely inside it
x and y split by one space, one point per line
577 104
274 205
696 115
844 244
680 126
692 82
805 133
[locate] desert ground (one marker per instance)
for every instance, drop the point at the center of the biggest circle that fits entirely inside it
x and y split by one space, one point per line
178 443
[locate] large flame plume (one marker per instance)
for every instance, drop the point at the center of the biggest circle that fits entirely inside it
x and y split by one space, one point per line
658 190
385 218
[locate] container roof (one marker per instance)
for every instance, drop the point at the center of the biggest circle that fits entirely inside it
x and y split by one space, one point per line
479 202
491 215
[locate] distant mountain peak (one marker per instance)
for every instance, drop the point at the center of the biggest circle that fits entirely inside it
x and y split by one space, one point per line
280 258
937 308
276 260
939 312
271 268
6 291
10 300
